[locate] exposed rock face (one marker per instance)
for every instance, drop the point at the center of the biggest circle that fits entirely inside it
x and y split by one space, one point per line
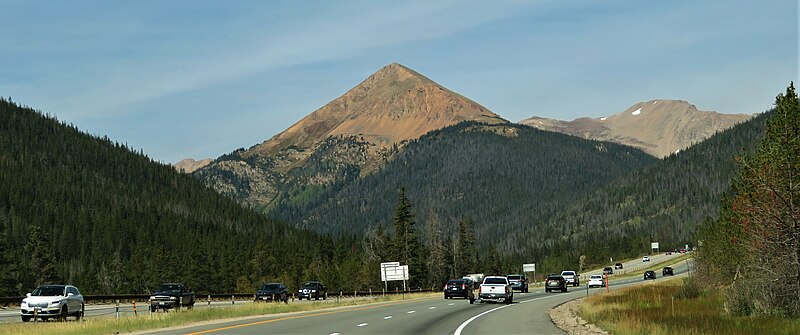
347 137
659 127
189 165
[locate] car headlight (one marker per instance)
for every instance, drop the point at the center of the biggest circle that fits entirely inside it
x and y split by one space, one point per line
152 297
173 298
313 290
55 302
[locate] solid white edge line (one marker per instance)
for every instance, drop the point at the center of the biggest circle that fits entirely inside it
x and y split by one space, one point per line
464 325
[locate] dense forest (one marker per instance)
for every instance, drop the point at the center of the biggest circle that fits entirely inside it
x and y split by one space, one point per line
84 210
502 176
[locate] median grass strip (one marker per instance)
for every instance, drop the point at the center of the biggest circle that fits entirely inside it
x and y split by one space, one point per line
146 321
650 309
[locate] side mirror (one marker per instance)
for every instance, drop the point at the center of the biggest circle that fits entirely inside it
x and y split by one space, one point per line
70 294
28 295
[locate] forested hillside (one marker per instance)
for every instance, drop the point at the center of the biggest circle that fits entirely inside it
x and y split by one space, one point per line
504 177
84 210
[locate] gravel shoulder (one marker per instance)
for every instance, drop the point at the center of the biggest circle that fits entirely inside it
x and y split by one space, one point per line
565 317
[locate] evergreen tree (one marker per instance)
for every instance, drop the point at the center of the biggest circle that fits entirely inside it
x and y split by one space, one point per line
406 247
437 250
466 252
42 260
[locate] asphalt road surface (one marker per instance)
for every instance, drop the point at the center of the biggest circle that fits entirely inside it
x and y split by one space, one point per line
527 315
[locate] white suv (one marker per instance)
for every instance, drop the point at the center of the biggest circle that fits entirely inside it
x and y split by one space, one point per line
52 301
646 259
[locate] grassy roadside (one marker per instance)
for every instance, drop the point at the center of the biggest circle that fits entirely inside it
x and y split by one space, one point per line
110 325
648 309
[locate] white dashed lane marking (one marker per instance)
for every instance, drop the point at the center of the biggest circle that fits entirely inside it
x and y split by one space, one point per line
409 312
451 304
387 317
434 307
362 324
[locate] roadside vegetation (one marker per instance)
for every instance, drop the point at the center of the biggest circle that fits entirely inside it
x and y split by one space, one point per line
110 325
676 307
753 247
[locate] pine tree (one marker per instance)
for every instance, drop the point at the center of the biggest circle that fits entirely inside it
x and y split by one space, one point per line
465 252
437 249
42 260
406 246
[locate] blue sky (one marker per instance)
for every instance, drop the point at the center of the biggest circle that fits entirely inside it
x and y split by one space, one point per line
201 78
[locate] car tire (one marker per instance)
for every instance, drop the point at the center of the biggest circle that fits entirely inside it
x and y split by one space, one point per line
547 290
471 301
526 289
564 289
26 318
63 316
79 314
508 301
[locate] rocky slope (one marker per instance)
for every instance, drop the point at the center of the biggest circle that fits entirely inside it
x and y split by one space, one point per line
357 132
659 127
189 165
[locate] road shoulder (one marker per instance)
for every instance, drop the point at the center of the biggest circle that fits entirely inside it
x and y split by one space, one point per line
565 317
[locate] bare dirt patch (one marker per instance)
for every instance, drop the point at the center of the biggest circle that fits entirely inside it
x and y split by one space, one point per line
565 316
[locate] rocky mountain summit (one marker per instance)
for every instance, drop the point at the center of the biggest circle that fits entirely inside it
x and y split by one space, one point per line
659 127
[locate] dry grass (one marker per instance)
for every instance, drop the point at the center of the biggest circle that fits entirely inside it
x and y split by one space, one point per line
648 309
110 325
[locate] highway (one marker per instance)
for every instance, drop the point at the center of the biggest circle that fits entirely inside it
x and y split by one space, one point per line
527 315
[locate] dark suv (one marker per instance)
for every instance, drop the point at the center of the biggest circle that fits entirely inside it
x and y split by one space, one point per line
518 282
273 292
666 271
462 288
649 274
555 282
313 289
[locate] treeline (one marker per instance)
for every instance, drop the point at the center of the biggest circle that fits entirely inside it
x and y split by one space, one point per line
753 247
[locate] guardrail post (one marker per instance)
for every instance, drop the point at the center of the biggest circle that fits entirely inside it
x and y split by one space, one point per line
209 300
383 292
370 292
134 308
117 308
233 300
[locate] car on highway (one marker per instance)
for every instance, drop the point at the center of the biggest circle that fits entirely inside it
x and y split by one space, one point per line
518 282
596 281
608 270
461 288
171 295
555 282
52 301
646 259
313 289
649 274
496 288
571 277
618 266
666 271
273 292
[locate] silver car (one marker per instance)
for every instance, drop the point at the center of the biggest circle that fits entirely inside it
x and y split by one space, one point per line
52 301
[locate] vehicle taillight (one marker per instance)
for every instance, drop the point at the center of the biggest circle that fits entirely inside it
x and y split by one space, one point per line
444 288
463 286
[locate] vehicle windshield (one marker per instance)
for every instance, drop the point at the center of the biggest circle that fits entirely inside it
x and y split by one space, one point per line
169 288
455 282
553 277
596 277
271 287
491 281
311 284
568 273
48 291
514 277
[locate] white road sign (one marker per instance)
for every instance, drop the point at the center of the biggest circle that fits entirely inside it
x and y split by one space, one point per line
529 267
394 273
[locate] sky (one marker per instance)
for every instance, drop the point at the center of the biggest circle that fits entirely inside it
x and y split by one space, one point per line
191 78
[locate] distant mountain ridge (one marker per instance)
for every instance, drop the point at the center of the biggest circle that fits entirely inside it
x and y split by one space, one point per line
659 127
189 165
358 132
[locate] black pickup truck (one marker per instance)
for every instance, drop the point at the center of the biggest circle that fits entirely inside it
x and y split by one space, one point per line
171 295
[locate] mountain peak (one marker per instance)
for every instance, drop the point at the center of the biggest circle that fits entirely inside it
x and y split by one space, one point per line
660 127
392 105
